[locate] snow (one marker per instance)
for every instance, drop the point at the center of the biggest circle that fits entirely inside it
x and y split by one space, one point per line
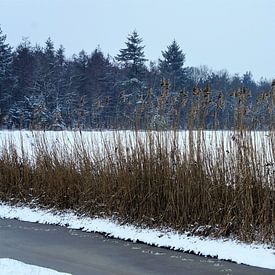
225 249
97 139
14 267
101 142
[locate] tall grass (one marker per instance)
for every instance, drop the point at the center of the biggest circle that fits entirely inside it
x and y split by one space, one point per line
218 183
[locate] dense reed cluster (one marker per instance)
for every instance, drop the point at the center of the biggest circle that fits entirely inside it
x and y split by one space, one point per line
217 183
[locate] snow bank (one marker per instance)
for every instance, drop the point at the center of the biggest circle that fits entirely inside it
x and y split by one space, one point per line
224 249
13 267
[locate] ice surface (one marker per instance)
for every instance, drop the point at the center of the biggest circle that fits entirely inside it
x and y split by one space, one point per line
225 249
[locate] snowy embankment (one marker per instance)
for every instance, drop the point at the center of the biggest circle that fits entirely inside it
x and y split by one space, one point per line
224 249
13 267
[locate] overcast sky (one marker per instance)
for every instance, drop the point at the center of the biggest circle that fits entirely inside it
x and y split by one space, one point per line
237 35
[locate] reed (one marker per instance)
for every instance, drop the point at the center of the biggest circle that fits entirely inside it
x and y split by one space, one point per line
217 183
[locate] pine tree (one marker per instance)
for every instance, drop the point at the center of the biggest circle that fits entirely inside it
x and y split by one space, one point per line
79 73
132 57
60 56
131 87
23 68
44 74
171 66
49 52
248 82
7 79
61 87
98 72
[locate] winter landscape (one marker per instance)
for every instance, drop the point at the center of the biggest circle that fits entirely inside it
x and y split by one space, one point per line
118 162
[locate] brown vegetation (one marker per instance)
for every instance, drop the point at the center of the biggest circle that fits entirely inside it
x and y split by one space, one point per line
154 181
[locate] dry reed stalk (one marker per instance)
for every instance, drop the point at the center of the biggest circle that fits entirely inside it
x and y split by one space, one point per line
155 178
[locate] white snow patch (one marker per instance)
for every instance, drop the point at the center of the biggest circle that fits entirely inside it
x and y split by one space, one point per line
224 249
14 267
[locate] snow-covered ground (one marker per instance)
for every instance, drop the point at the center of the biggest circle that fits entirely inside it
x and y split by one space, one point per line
225 249
98 143
14 267
100 139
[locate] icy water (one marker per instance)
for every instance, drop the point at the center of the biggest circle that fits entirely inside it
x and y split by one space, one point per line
77 252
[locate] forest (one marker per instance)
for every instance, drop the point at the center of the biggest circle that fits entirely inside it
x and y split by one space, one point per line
41 88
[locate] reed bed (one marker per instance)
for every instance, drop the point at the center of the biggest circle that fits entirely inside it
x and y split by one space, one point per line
151 179
222 186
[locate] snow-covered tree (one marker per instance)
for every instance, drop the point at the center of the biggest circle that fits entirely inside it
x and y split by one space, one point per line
49 52
131 88
132 57
248 82
60 56
23 68
7 79
58 122
171 66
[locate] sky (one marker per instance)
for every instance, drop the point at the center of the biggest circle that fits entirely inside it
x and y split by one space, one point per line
237 35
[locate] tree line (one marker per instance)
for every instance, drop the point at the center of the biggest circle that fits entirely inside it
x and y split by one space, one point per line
40 88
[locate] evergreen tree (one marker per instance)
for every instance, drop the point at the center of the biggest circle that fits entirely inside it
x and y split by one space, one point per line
235 82
97 70
49 74
7 79
79 73
248 82
219 81
132 87
61 82
132 57
77 88
60 56
23 68
171 66
101 82
43 84
49 53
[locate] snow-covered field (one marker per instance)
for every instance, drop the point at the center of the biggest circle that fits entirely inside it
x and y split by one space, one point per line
225 249
93 139
14 267
97 142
